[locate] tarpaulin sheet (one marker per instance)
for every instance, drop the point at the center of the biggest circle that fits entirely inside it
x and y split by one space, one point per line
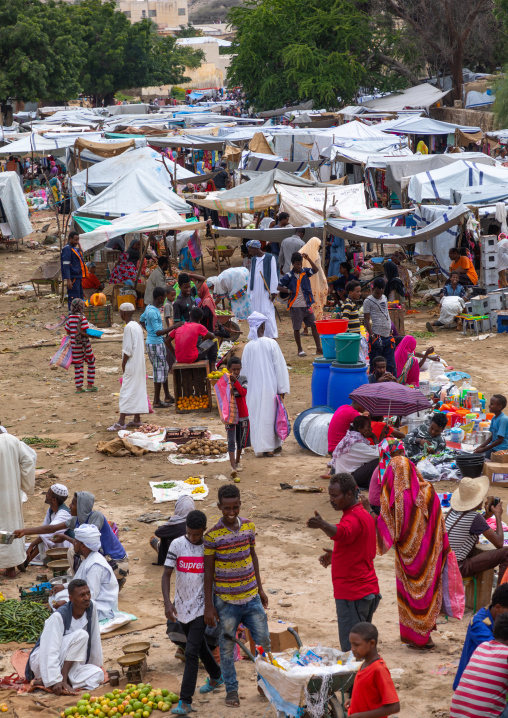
423 95
264 163
426 126
436 184
440 244
259 143
103 149
14 205
88 224
305 204
480 195
354 231
465 138
270 235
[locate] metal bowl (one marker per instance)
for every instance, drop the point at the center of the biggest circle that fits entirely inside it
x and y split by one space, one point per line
137 647
6 537
62 565
56 554
131 659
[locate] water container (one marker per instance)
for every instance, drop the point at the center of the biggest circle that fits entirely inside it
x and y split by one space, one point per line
344 378
328 344
347 347
319 383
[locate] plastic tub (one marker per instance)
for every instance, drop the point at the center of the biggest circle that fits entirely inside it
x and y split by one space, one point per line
347 348
94 332
319 383
343 380
328 344
332 326
301 418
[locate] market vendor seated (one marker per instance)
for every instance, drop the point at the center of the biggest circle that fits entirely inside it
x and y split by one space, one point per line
426 438
464 265
185 301
498 428
357 453
95 570
464 525
379 373
187 349
67 658
57 513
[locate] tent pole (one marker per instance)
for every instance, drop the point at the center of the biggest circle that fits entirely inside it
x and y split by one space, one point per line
324 223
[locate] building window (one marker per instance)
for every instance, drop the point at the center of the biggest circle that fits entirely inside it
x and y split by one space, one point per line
181 11
143 13
127 13
152 13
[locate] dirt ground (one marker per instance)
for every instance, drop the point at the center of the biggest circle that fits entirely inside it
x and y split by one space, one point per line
36 400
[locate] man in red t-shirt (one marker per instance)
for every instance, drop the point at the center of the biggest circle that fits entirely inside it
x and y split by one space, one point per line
186 338
355 584
340 422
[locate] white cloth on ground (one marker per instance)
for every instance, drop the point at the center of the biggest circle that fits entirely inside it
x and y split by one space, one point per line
17 474
357 455
260 300
56 648
102 582
450 308
133 396
265 368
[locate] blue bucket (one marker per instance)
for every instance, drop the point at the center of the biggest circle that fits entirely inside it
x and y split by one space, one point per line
328 344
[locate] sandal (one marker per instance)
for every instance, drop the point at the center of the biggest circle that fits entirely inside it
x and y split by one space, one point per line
80 391
183 709
117 427
91 388
233 699
302 354
269 454
208 688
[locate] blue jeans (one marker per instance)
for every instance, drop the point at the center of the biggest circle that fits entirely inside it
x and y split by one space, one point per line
253 617
384 347
504 714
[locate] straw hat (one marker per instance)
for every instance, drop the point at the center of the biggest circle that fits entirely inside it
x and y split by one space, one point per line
470 493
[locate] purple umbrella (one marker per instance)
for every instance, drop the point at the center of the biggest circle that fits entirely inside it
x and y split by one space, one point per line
390 399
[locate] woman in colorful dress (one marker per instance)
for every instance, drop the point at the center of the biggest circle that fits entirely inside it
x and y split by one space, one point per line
232 284
318 282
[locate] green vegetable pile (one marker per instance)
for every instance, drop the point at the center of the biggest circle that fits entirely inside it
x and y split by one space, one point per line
223 312
21 621
166 485
36 440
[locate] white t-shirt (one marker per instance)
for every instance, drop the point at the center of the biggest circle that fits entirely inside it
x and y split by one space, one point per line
188 561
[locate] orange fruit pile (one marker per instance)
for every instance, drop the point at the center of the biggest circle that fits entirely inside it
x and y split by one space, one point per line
188 403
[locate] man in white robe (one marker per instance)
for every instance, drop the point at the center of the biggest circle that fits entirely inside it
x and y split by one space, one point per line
57 513
261 300
17 474
95 570
267 375
68 655
133 396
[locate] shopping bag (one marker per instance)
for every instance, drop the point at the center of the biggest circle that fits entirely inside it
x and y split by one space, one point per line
228 410
454 599
282 423
63 356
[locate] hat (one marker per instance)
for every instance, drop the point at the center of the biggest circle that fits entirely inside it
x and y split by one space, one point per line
127 307
256 319
60 490
254 243
89 535
470 493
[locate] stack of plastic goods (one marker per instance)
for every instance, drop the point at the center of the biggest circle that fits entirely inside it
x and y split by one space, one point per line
489 254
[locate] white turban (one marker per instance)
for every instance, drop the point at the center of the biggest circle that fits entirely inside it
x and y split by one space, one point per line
255 320
210 282
60 490
127 307
88 535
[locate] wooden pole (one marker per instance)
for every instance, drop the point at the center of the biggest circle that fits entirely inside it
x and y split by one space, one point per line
324 222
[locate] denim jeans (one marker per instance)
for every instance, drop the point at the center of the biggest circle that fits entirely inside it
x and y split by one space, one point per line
196 648
384 347
504 714
253 617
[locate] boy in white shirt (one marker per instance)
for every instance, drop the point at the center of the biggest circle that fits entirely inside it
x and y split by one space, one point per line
186 556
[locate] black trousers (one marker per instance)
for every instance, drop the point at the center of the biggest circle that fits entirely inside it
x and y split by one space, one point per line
363 473
196 648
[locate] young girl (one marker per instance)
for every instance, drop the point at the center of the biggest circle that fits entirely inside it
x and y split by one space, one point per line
76 326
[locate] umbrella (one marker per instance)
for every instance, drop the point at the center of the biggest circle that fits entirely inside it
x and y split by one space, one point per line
389 398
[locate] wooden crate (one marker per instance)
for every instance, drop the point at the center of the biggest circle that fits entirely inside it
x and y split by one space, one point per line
100 316
191 380
397 317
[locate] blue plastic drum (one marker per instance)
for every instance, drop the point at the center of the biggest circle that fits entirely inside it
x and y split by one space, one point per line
319 383
344 378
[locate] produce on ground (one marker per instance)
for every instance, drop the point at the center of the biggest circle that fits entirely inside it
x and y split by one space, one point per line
203 447
198 490
165 485
193 402
36 440
193 480
21 621
148 428
137 701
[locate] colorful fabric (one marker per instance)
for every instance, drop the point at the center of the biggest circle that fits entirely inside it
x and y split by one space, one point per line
123 270
235 579
480 629
465 266
411 520
339 425
318 282
408 368
386 449
207 301
226 402
157 355
352 437
482 690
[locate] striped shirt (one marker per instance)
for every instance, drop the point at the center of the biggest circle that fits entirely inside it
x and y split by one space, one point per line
463 528
482 690
350 311
235 580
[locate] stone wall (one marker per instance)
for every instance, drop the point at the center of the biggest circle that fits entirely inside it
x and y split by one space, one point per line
474 118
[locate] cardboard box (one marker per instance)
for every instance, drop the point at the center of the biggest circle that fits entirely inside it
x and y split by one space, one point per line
496 472
499 457
280 638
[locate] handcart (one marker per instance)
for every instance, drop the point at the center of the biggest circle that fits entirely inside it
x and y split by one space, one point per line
315 705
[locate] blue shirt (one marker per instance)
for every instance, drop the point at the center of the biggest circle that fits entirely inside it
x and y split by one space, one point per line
71 266
499 429
290 281
152 320
479 630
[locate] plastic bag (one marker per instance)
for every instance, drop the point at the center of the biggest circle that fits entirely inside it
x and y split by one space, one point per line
63 356
436 369
454 599
228 410
428 470
282 423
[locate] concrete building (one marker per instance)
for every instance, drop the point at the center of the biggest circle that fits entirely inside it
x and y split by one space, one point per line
166 13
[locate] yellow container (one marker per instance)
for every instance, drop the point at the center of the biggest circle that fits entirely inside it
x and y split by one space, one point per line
121 298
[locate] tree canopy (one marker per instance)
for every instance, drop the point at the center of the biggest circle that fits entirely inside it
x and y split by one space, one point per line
51 50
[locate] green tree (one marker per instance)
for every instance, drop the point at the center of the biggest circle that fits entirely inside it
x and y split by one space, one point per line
40 52
289 50
188 31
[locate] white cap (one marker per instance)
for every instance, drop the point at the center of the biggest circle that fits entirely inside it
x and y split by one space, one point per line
127 307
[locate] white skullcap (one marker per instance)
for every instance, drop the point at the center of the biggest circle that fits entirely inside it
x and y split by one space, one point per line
89 535
127 307
60 490
255 320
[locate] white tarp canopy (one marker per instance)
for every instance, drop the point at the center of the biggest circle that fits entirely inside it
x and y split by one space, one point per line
131 193
357 231
144 159
425 126
436 184
38 144
305 204
440 244
157 217
415 97
367 153
14 205
259 162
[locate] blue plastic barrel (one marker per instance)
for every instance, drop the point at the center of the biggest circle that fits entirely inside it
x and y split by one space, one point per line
319 383
344 378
